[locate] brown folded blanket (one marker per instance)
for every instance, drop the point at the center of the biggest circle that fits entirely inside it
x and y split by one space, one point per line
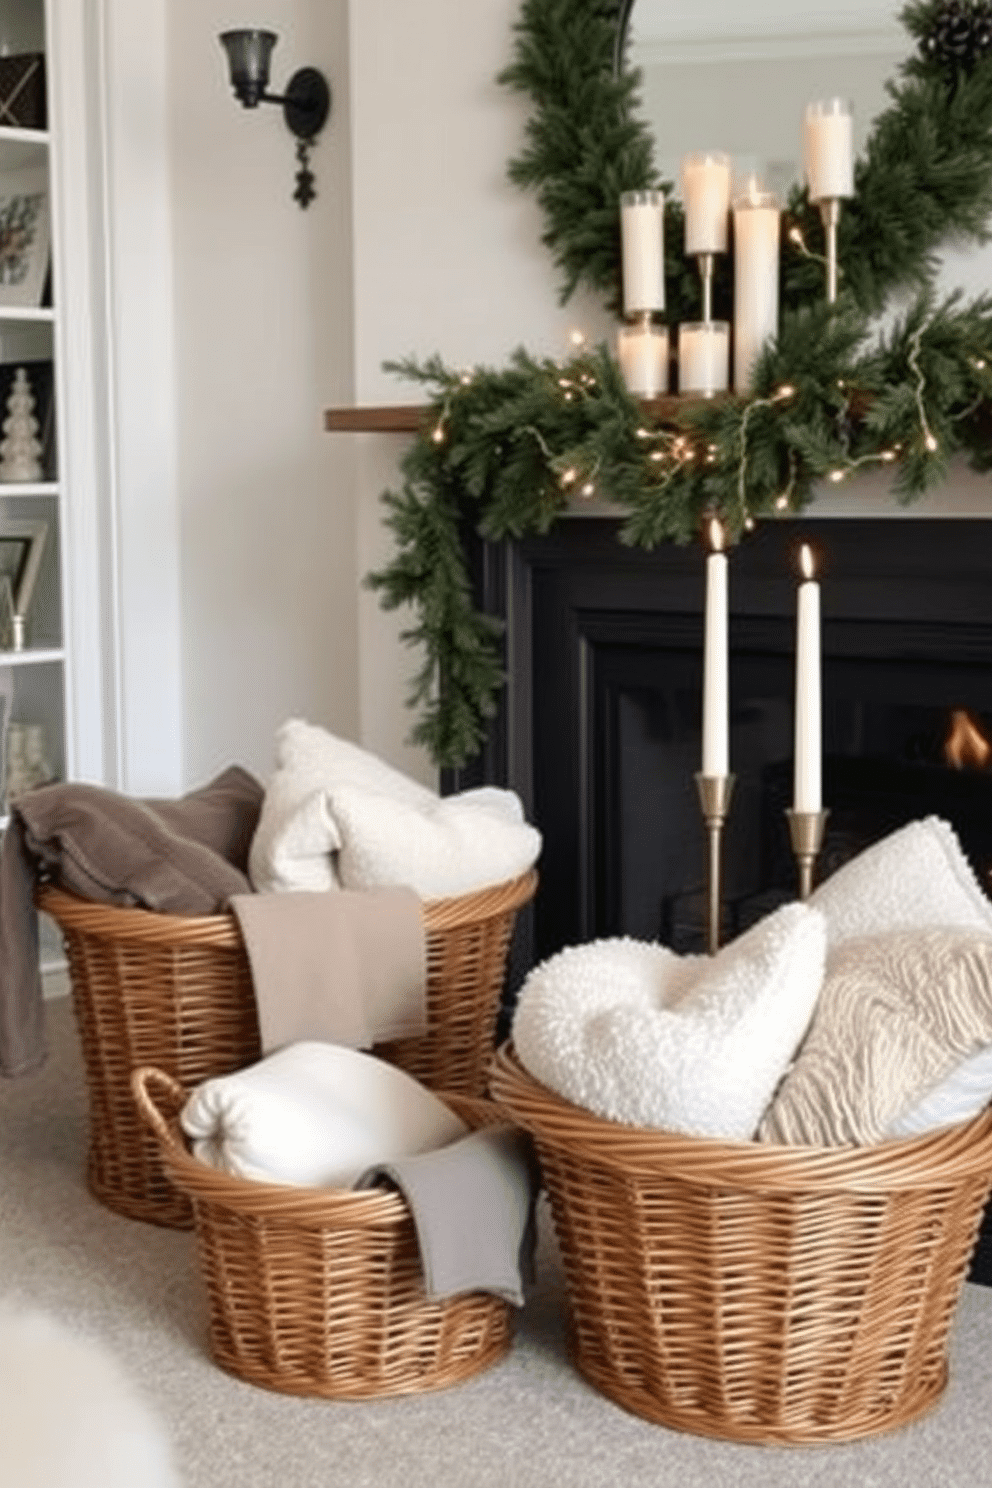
185 857
345 966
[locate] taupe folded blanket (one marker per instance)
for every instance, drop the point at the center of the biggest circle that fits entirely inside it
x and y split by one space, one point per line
472 1204
347 967
185 856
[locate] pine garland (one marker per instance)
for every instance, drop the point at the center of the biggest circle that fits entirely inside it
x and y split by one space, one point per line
509 450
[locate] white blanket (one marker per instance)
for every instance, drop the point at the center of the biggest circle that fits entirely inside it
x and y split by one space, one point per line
642 1036
314 1114
336 816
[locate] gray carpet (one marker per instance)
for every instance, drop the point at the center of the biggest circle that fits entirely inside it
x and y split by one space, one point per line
531 1422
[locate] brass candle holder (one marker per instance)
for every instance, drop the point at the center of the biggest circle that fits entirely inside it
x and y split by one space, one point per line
806 830
714 800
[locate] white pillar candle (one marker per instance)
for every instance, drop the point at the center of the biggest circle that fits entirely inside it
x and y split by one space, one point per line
642 227
716 697
704 357
807 793
706 197
756 249
643 354
828 149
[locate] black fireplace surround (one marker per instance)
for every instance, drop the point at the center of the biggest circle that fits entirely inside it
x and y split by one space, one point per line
599 729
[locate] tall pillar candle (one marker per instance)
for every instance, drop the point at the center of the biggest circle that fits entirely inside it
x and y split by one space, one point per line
756 253
716 693
706 197
807 794
828 150
642 229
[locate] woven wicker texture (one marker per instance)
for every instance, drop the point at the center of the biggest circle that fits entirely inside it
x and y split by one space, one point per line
753 1292
175 992
320 1291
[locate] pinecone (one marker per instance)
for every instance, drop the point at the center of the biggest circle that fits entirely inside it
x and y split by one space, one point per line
961 34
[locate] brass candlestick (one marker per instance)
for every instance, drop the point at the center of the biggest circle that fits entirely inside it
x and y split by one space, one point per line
806 829
714 800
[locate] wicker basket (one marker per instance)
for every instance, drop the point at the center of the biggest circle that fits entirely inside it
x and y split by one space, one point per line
176 992
320 1291
753 1292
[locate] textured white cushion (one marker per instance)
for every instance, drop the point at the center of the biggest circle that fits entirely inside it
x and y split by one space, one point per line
314 1114
296 836
641 1036
897 1014
449 845
914 879
335 815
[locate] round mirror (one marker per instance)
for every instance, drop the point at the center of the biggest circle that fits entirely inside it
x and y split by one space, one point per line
719 75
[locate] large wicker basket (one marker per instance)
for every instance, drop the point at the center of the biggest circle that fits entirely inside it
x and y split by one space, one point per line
753 1292
175 992
320 1291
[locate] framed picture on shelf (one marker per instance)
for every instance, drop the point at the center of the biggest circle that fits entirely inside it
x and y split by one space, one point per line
24 237
22 543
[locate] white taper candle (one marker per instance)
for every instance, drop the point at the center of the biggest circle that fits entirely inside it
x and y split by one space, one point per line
807 792
716 697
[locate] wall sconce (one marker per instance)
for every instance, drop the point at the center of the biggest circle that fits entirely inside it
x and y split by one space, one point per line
306 102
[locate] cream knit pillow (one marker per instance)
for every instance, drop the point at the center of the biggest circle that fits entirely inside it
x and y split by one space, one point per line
897 1014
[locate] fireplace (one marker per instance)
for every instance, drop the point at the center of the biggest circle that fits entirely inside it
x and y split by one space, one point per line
599 730
600 726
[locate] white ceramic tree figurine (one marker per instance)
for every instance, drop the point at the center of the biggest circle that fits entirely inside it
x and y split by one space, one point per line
20 451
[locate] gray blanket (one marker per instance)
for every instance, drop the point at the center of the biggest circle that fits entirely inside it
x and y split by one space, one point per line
187 856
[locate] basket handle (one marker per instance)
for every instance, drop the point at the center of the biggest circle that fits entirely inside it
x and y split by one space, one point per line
159 1098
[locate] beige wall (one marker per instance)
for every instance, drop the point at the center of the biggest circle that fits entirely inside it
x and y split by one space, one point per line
262 346
417 243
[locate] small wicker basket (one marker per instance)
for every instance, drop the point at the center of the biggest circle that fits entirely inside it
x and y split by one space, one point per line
176 992
320 1291
753 1292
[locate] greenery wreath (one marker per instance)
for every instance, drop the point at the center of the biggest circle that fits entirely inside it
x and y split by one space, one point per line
509 450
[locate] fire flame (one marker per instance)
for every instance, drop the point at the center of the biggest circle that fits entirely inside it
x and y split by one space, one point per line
716 535
966 747
806 561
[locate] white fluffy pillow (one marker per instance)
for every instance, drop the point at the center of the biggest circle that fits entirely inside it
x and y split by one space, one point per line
314 1114
448 845
641 1036
336 816
915 879
296 835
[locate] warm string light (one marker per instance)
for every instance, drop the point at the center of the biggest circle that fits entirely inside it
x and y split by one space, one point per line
884 457
795 236
929 438
781 395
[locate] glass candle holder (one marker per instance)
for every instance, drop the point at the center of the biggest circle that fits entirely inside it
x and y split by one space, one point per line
642 350
704 357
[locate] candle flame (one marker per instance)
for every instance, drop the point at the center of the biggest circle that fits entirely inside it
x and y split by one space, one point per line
966 747
806 561
716 535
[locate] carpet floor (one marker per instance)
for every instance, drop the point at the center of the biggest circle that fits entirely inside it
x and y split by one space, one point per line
530 1422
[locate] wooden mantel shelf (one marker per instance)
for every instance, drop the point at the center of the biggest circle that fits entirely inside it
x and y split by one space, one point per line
407 418
402 418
